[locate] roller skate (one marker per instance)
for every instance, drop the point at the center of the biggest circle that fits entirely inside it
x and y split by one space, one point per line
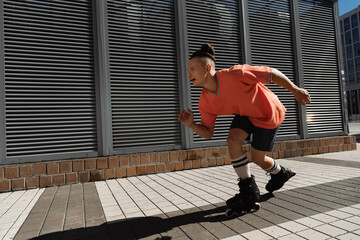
278 180
245 201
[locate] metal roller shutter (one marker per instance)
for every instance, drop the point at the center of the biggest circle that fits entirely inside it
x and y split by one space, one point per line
49 78
215 22
143 72
321 75
272 45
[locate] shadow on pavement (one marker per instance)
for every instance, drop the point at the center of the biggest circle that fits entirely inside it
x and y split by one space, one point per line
143 227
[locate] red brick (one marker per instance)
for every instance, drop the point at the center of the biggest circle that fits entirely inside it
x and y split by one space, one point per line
65 167
45 181
170 167
131 171
101 163
200 153
32 182
155 157
282 145
227 160
109 173
174 156
1 173
281 154
84 177
78 166
293 153
11 172
140 170
354 146
39 169
299 152
276 146
58 179
187 164
145 159
207 153
151 169
134 160
52 168
71 178
287 153
90 164
204 163
164 157
183 155
307 151
113 162
196 163
124 161
96 175
18 184
191 155
216 152
219 161
179 166
212 162
341 148
120 172
224 151
26 171
5 185
160 167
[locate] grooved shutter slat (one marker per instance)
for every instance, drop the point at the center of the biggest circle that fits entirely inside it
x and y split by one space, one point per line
49 78
143 71
216 22
321 76
271 45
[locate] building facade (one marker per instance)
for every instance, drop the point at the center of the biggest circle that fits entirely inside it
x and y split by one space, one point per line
350 42
95 78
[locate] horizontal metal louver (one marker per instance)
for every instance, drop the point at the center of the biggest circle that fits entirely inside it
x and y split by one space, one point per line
143 72
272 45
49 78
320 63
215 22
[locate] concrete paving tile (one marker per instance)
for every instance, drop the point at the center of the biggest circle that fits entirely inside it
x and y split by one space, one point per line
324 218
330 230
348 236
256 234
346 225
236 237
313 235
339 214
293 226
275 231
309 222
291 237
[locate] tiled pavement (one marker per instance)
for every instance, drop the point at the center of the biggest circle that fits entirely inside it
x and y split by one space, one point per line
321 202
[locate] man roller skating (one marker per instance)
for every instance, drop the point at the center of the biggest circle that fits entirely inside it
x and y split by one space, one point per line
240 90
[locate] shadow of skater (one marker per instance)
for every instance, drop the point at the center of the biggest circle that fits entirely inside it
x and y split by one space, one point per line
135 228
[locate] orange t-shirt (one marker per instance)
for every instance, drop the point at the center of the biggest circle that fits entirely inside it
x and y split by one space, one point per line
240 90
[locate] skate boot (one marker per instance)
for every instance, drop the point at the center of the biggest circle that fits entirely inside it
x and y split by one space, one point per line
278 180
245 201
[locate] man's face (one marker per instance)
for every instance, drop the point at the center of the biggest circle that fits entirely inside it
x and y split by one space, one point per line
197 71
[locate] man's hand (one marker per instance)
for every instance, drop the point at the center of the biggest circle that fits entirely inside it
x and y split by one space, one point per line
302 96
186 118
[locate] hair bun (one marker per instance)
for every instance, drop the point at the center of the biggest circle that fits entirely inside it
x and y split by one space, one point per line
208 48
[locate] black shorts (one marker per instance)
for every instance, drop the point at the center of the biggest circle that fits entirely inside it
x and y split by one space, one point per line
262 139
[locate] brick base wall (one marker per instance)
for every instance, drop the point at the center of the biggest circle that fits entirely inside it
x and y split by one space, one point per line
55 173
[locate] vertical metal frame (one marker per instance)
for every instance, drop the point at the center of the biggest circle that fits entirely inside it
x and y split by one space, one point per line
299 70
340 66
2 88
245 31
182 52
102 78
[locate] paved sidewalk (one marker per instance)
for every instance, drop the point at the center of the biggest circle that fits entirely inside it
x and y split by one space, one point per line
321 202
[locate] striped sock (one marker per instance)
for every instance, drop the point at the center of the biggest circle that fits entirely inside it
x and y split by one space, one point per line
274 169
241 166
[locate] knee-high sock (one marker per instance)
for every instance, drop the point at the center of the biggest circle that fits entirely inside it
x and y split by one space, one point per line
274 169
241 166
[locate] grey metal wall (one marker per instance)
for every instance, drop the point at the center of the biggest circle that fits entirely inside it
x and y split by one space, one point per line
95 78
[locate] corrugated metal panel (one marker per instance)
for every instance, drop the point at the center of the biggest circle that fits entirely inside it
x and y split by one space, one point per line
216 22
272 45
321 75
49 77
143 72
